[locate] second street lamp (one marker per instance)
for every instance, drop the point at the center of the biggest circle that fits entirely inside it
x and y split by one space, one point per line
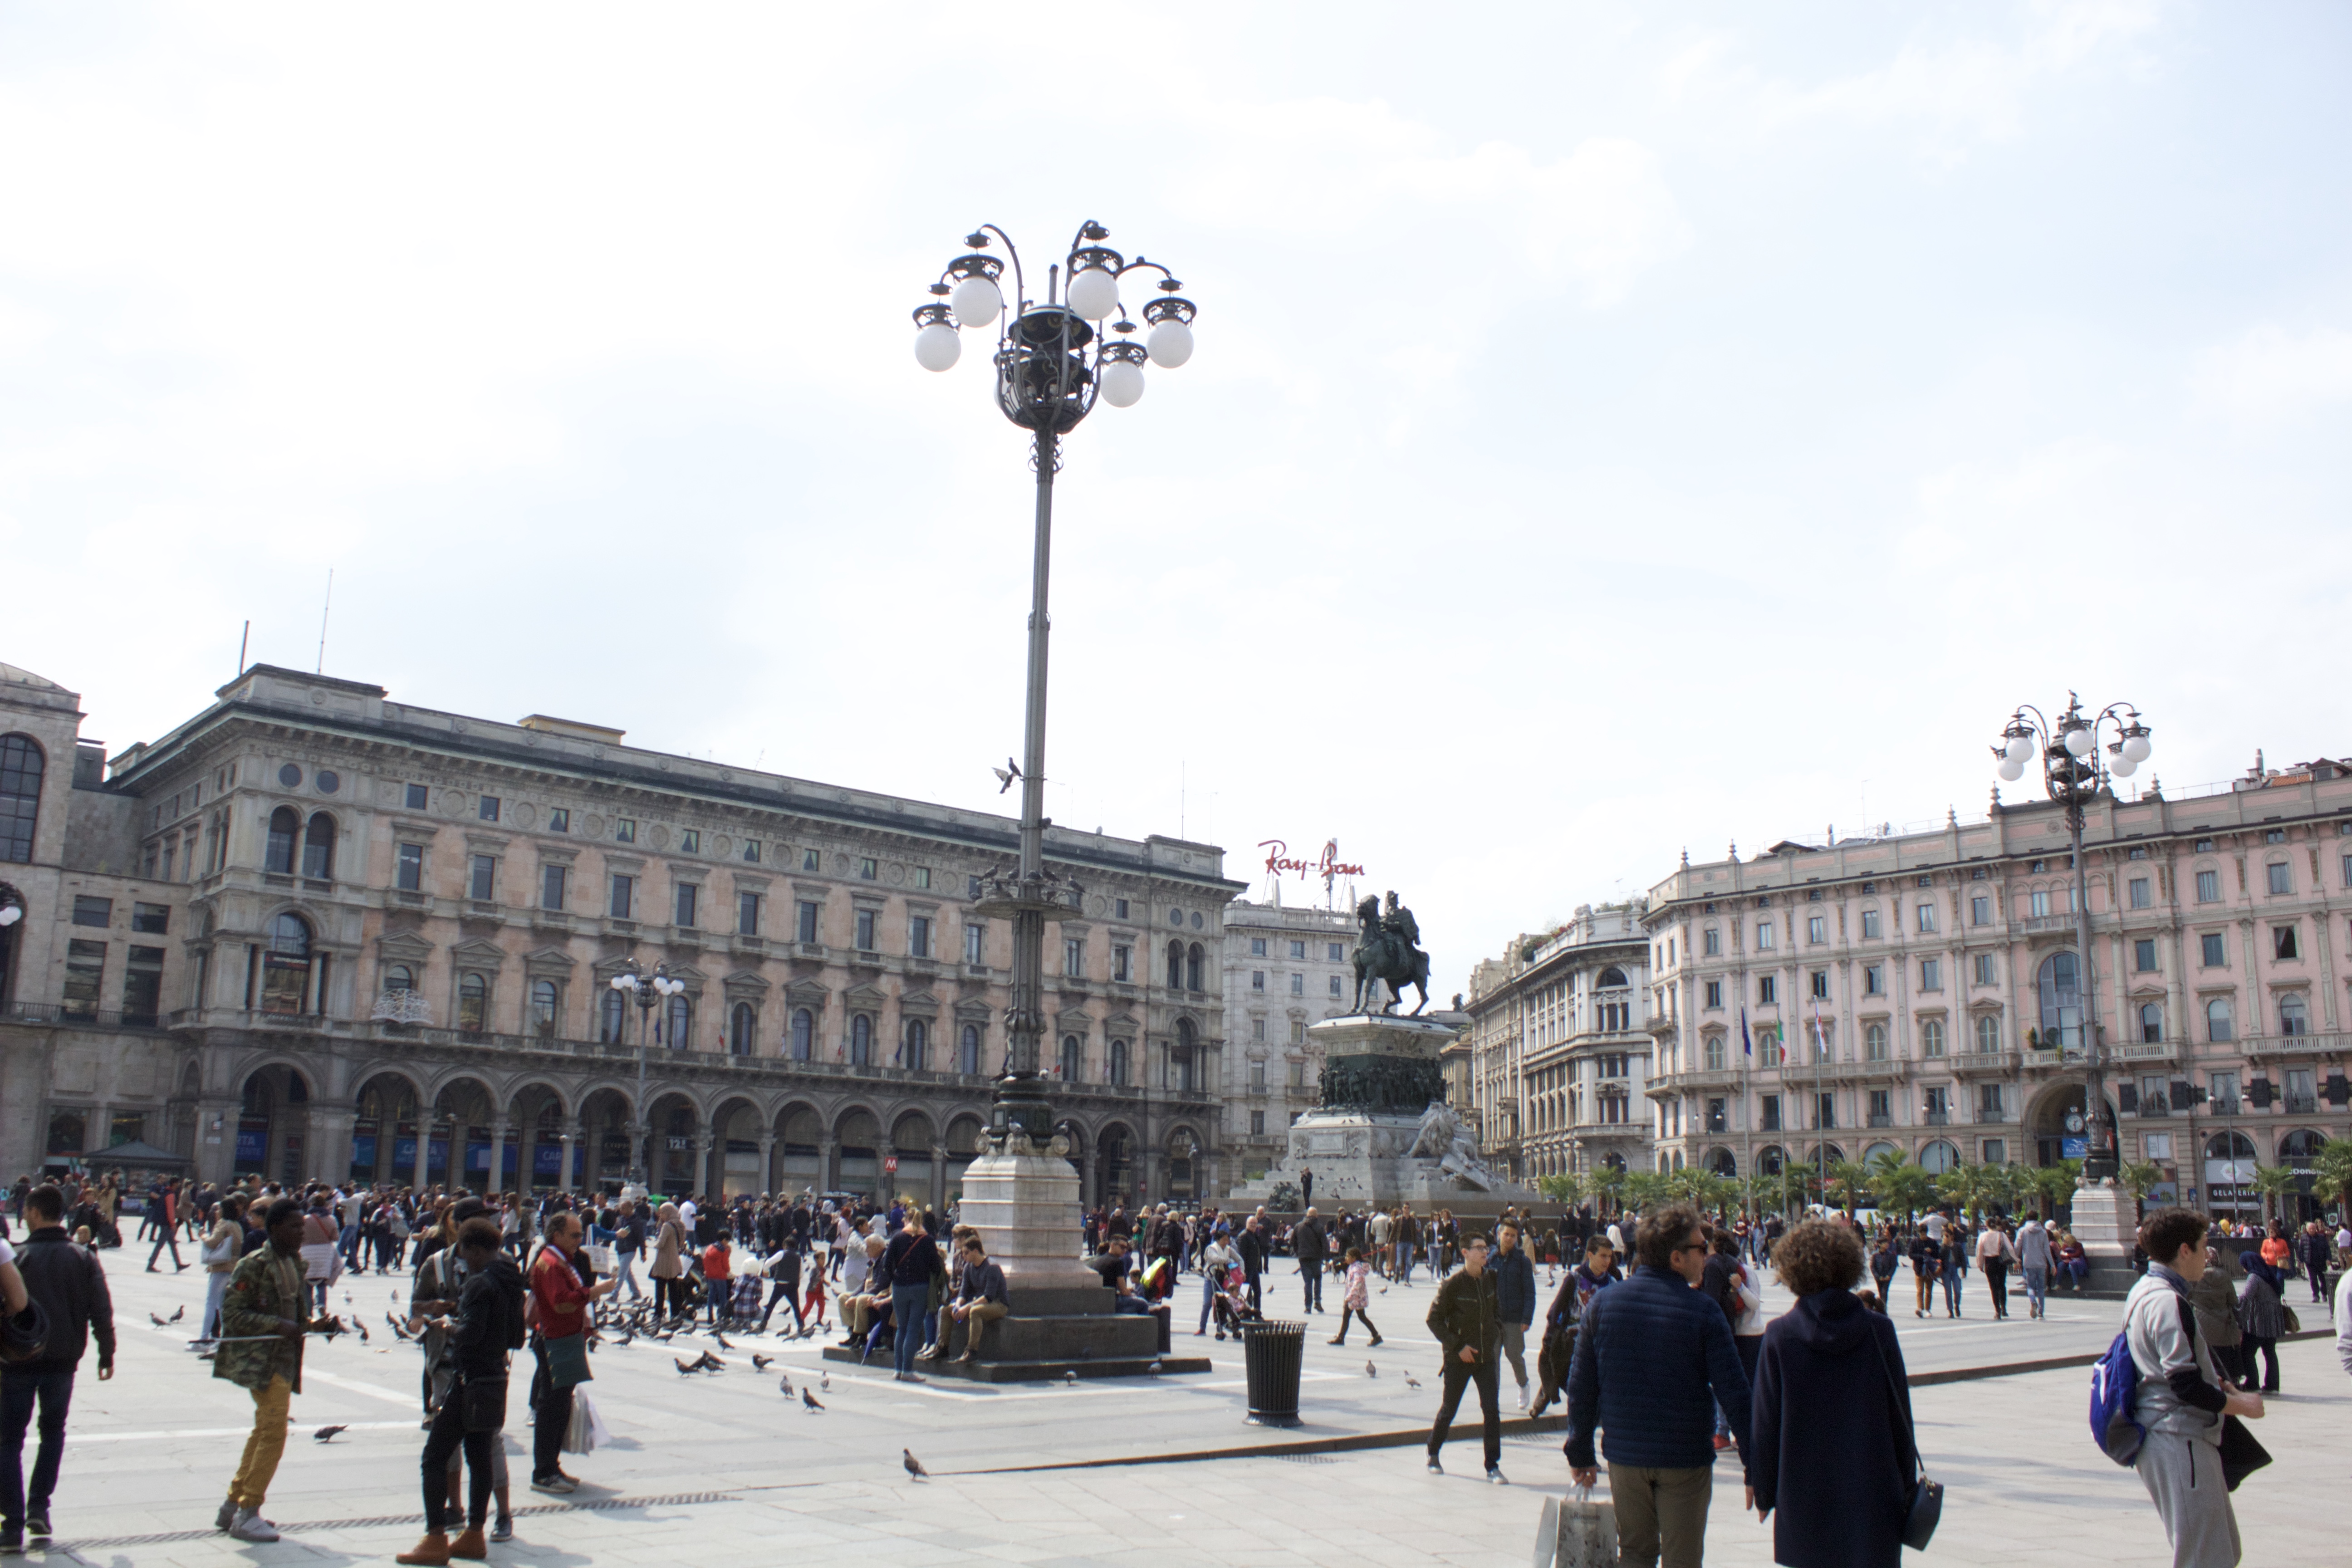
650 991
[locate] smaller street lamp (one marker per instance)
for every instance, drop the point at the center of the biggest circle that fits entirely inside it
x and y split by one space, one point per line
650 991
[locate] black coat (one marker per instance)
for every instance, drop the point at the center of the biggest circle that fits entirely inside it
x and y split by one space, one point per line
66 1279
1833 1453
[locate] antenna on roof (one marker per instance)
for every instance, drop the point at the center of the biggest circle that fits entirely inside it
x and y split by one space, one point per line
242 638
323 608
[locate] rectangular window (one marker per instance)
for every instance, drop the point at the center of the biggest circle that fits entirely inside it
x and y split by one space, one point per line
1335 953
1817 929
1869 930
1927 916
490 809
2281 877
624 830
1257 1030
1820 985
806 916
559 819
484 883
85 974
1938 1105
922 875
1873 980
1258 1069
868 869
751 852
2210 951
1298 985
2142 892
1122 965
746 914
551 887
1257 1123
1931 975
142 985
1768 991
419 798
624 895
865 930
1118 908
1979 911
1335 985
151 920
1297 1069
689 841
687 895
1768 1117
918 936
1882 1108
1988 1101
2283 943
1715 993
2347 870
1073 956
90 912
2037 903
2144 955
1257 979
2209 887
1763 936
1299 950
811 861
2270 835
1984 969
1713 941
2225 1094
1825 1109
1257 947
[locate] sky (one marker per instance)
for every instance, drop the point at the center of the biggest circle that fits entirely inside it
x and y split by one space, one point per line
1613 430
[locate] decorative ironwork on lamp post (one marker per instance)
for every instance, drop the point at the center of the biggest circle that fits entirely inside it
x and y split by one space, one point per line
1053 359
650 991
2075 774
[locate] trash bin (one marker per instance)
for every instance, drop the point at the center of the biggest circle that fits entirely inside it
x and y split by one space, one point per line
1160 1314
1273 1355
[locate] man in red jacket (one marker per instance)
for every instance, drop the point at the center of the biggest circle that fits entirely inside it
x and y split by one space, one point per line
559 1305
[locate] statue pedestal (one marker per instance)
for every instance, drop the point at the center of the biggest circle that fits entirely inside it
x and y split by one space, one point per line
1381 1075
2107 1221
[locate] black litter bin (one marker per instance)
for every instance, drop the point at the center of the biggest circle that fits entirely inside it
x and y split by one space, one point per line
1162 1314
1273 1353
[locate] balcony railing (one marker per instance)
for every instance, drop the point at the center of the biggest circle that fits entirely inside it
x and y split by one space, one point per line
2301 1104
1936 1119
2328 1043
57 1013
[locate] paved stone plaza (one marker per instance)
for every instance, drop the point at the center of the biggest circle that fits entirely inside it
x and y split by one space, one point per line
721 1470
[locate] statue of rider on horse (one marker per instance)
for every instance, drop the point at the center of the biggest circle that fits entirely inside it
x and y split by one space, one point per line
1390 952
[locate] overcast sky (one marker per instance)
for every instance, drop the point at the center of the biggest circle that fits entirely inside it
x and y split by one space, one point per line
1614 428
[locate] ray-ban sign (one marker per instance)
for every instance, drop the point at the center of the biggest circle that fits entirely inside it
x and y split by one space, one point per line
1280 860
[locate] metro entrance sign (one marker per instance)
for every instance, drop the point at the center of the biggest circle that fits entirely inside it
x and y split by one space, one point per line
890 1164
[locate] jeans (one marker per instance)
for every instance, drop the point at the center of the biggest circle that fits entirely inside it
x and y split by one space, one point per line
910 1306
1661 1514
447 1437
628 1273
1458 1375
1208 1300
2076 1270
215 1288
1953 1279
1310 1278
2037 1287
19 1391
1515 1351
1404 1262
165 1238
553 1423
263 1449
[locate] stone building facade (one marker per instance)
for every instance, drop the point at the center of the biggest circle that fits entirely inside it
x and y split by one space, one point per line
1285 968
1560 1047
1923 993
315 932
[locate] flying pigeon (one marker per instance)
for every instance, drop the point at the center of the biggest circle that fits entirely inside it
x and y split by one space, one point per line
761 1363
181 1310
810 1400
1371 1371
1006 775
914 1466
325 1434
686 1368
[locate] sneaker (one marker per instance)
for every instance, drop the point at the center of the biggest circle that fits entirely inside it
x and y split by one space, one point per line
503 1529
1434 1468
12 1541
1523 1396
1494 1473
558 1483
37 1525
228 1514
1335 1341
913 1377
251 1526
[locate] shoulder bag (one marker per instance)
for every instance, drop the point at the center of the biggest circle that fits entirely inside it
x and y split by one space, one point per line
1925 1509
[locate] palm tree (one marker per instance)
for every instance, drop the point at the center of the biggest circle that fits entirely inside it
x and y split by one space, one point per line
2140 1178
1899 1184
1565 1189
2056 1184
2274 1182
2331 1170
1852 1179
1607 1185
1967 1186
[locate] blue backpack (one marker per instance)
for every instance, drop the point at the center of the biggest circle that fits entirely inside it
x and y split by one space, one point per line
2114 1392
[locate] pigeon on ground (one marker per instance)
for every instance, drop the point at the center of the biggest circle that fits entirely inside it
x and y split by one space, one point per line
825 1381
1384 1289
810 1400
362 1330
180 1310
326 1434
1155 1369
784 1384
1372 1371
914 1466
157 1320
761 1363
710 1362
1410 1381
1071 1377
686 1368
721 1338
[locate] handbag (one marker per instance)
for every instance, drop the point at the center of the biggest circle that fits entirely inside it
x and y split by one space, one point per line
2242 1453
485 1408
567 1361
1577 1533
587 1431
2286 1314
1925 1509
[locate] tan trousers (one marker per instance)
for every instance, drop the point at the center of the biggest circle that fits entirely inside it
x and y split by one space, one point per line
1661 1514
980 1315
264 1449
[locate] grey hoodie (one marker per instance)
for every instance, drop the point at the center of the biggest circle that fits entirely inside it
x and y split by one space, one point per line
2179 1391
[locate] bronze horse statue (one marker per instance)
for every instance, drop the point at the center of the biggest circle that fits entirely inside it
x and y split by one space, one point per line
1386 954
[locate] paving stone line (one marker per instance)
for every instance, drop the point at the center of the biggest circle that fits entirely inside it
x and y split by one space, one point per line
385 1521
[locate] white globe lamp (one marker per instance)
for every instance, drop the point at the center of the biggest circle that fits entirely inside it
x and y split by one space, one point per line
1093 294
937 347
2010 769
1169 345
1122 384
976 300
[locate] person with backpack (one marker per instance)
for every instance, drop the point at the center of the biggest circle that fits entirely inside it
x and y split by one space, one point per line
67 1283
2166 1414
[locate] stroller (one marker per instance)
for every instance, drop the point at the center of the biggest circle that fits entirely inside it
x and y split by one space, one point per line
1231 1306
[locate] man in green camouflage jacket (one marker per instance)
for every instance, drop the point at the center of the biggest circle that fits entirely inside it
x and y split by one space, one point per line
263 1319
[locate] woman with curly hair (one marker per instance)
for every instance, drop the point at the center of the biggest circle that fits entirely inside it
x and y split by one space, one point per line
1832 1446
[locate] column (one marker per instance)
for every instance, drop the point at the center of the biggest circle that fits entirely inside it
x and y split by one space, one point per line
703 1136
641 1145
828 1178
495 1180
424 1150
216 1149
1087 1196
938 1178
329 1140
768 1161
570 1136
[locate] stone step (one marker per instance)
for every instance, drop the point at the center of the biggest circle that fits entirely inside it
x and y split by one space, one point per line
1039 1370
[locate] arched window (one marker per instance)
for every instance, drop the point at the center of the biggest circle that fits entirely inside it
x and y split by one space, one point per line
1074 1060
2061 1002
919 1046
319 847
543 1008
2151 1023
1988 1033
968 1051
1715 1053
681 1023
2220 1021
1938 1157
742 1029
473 1004
21 764
1873 1040
285 826
1175 966
399 977
2294 1014
1193 968
861 1041
613 1017
1119 1067
1612 979
803 1034
286 966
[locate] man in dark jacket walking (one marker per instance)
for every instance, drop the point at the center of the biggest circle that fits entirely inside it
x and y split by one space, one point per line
1306 1246
1515 1300
71 1290
1653 1357
1469 1333
1252 1244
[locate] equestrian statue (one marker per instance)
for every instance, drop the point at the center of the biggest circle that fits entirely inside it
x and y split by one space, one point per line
1390 952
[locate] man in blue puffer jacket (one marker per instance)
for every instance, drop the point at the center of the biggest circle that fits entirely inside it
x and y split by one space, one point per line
1653 1357
1515 1300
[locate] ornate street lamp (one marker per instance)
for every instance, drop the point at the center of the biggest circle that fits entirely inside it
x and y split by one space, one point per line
2075 774
650 991
1053 359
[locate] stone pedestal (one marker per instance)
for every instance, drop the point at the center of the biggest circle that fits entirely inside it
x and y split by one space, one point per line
2107 1221
1024 1203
